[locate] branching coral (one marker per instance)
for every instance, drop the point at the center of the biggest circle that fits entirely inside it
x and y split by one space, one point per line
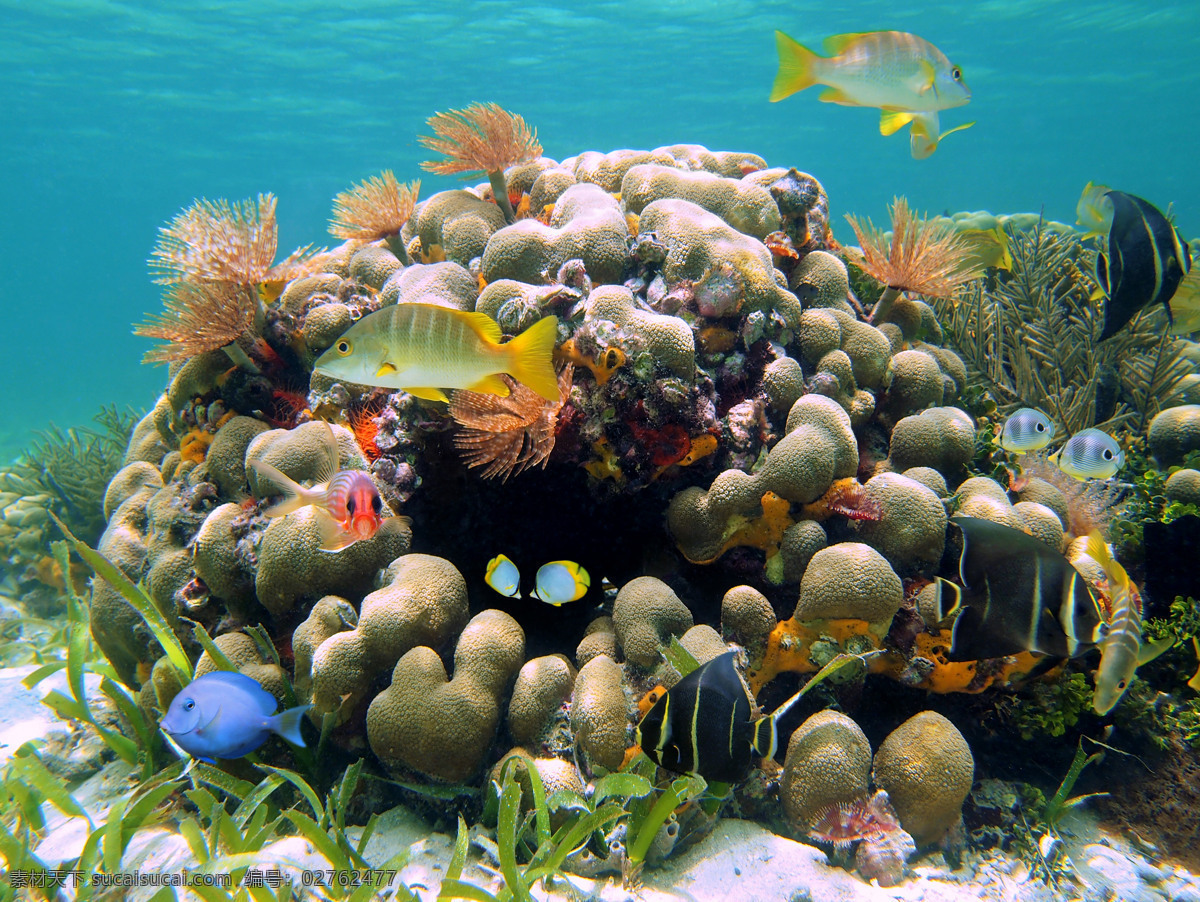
378 208
199 317
1032 341
923 257
507 435
481 138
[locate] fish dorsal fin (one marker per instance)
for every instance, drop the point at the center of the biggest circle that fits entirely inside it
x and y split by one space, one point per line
428 394
891 121
485 326
837 44
330 461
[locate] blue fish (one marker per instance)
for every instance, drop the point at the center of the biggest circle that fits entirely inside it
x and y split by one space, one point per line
561 581
227 715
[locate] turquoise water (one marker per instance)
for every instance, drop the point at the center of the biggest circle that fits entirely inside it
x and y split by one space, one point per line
117 115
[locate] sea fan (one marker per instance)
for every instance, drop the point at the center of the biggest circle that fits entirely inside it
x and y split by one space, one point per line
481 138
378 208
507 435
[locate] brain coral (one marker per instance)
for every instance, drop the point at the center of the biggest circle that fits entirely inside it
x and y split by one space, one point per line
543 684
456 226
587 225
646 614
916 383
226 459
447 284
599 715
849 581
669 339
1173 433
925 765
443 727
821 281
747 618
1184 486
911 529
244 654
698 241
747 207
828 762
598 639
941 437
423 603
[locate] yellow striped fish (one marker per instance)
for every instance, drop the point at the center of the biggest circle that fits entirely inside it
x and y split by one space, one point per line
1120 639
424 348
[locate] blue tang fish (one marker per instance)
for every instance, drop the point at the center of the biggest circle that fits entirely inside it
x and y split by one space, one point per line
227 715
561 581
503 576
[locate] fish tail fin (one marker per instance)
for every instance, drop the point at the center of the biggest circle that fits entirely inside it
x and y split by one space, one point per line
1097 550
796 67
287 724
531 358
295 496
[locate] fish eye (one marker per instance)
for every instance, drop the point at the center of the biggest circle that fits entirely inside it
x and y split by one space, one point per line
350 505
1040 427
956 73
188 705
1108 455
344 347
377 504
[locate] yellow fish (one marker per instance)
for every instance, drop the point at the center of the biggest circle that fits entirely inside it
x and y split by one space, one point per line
561 581
1094 211
423 348
924 136
902 74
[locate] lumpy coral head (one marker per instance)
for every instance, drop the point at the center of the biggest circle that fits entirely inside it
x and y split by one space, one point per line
443 727
828 762
646 614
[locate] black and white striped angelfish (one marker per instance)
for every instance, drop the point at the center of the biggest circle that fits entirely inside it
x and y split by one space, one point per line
1019 594
704 724
1144 263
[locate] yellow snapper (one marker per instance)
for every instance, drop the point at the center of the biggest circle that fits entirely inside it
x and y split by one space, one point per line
1028 429
423 348
924 136
1094 211
561 581
902 74
1090 454
503 576
1121 648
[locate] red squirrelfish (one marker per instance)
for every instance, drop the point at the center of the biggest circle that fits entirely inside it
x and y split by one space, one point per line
347 503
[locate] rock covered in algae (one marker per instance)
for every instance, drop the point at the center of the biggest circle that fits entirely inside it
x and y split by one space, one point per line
599 715
423 603
942 438
849 581
542 685
828 762
646 614
926 768
1173 433
441 726
587 224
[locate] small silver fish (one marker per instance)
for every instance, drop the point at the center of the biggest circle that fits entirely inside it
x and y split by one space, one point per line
227 715
1028 429
1090 454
